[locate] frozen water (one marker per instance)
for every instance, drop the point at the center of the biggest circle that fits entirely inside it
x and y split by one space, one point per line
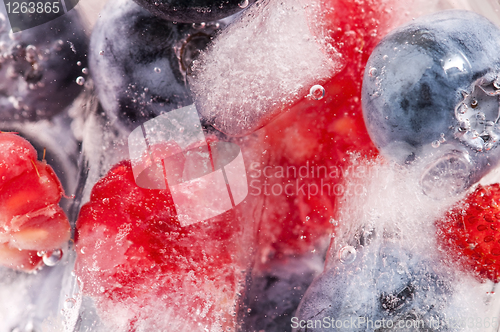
265 60
37 300
276 290
103 145
384 263
34 300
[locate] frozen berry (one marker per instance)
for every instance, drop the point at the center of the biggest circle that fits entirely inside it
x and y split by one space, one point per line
133 251
430 89
39 68
320 136
139 62
469 232
30 218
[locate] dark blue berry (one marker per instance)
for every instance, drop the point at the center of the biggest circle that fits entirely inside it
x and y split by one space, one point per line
39 67
383 282
139 62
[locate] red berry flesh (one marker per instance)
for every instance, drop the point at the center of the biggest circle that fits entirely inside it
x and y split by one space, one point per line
30 217
133 251
322 133
470 233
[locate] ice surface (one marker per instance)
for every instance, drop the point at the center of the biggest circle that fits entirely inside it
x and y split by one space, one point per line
276 290
24 297
33 302
265 60
384 262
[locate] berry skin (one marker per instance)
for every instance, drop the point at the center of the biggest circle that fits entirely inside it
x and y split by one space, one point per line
40 62
132 250
194 11
134 63
470 231
30 218
432 83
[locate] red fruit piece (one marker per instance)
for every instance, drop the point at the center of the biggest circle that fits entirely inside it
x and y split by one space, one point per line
30 218
34 189
132 251
16 156
320 135
470 232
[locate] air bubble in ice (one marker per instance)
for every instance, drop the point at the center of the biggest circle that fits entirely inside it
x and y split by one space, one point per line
82 250
373 72
347 254
243 4
436 144
101 52
80 80
199 26
385 57
41 253
31 54
69 303
317 92
334 222
51 258
79 63
85 70
447 176
157 70
462 109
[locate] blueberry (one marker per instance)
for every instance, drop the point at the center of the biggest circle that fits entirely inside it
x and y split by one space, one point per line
39 66
194 11
380 283
276 290
430 91
139 62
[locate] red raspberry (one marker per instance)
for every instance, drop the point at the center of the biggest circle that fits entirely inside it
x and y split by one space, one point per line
30 218
323 133
133 251
470 232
